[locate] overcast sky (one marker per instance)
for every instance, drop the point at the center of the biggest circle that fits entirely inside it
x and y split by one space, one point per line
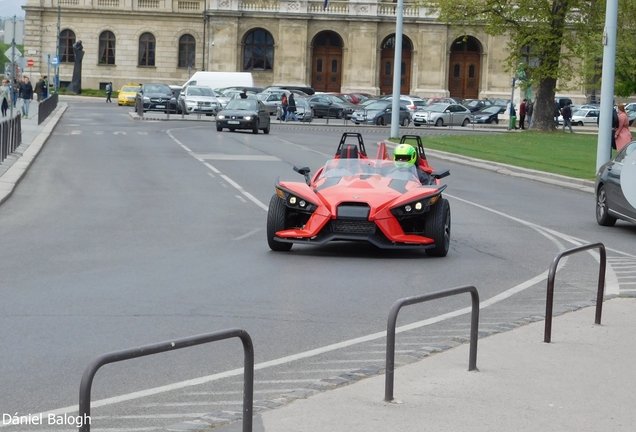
8 8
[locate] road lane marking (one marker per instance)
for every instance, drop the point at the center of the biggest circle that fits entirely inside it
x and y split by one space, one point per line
235 157
248 234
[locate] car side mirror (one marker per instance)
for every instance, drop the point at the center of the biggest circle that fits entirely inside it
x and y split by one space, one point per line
305 172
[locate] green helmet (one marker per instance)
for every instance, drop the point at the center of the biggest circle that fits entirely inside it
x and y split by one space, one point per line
404 155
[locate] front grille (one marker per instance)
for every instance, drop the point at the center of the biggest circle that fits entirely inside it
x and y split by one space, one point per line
353 227
158 100
205 104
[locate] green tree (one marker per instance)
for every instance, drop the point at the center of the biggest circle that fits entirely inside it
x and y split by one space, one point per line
557 34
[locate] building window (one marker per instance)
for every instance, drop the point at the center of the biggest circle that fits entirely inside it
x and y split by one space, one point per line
471 71
147 50
258 51
107 48
186 51
67 39
319 65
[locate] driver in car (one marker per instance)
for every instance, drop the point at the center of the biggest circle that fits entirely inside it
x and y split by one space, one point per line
404 157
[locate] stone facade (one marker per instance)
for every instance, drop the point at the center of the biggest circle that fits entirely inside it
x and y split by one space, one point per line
362 26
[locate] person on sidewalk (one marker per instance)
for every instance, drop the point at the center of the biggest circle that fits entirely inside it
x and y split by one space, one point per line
529 112
522 114
109 91
291 108
623 135
44 87
26 94
38 90
5 96
566 112
15 89
283 107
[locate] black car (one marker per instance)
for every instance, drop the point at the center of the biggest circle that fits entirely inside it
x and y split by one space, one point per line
380 113
326 105
488 115
175 104
611 203
244 114
155 97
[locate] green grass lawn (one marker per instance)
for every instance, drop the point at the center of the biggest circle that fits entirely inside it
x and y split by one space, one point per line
572 155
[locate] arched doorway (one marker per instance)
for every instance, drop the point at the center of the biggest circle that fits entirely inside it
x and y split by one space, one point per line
465 66
326 75
386 65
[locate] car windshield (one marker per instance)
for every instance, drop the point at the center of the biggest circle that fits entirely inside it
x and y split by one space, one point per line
364 168
200 91
130 89
301 102
158 88
490 110
376 106
242 104
337 99
437 107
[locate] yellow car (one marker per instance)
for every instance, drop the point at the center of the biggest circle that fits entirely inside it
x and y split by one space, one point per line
127 94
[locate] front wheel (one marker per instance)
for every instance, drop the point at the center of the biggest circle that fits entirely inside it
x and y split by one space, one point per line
438 227
465 123
602 216
255 128
276 216
266 130
219 129
580 123
439 122
380 121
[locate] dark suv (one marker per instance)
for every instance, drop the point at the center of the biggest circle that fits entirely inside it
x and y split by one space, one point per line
155 97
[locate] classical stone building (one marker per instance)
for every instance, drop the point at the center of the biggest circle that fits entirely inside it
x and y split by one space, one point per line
347 46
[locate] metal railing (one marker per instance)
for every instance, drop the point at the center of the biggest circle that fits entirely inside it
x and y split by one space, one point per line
547 335
117 356
46 107
10 135
390 332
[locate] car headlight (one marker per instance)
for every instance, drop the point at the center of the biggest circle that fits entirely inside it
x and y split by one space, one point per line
248 118
416 207
191 103
146 99
295 201
220 116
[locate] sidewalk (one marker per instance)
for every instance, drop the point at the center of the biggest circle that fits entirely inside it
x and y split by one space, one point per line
15 166
583 381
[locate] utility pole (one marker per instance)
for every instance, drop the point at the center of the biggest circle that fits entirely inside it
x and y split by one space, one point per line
57 68
13 74
205 24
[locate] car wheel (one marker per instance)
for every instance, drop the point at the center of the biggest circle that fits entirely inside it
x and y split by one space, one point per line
439 122
255 128
465 123
494 121
208 114
266 130
231 129
380 121
438 227
405 122
602 216
219 129
276 216
118 104
580 123
416 124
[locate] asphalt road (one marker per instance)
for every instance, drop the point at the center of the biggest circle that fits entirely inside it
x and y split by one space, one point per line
125 233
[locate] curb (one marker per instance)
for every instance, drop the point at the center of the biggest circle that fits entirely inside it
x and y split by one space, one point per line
16 172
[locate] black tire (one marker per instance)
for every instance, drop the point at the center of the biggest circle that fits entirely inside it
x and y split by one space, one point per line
339 114
255 128
439 122
380 121
219 129
494 121
465 123
580 123
231 129
405 122
266 130
208 114
602 216
438 227
276 222
416 124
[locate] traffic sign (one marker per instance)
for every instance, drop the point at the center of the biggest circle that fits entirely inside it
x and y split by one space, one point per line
55 61
30 62
10 51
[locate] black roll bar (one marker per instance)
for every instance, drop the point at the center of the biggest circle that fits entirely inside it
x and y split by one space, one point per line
547 334
146 350
390 331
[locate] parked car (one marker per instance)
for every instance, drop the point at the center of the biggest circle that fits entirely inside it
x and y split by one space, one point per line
175 103
309 91
351 97
475 105
199 99
582 117
155 97
326 105
440 100
413 103
611 203
272 100
303 110
379 113
127 94
244 114
443 115
488 115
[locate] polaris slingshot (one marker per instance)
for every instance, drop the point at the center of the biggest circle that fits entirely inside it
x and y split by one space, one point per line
357 198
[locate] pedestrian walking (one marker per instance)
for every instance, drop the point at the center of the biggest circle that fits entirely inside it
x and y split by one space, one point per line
529 112
26 95
522 114
15 89
291 108
5 96
623 135
38 90
44 87
283 107
109 90
566 113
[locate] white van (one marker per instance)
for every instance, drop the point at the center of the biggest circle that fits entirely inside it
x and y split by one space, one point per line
217 80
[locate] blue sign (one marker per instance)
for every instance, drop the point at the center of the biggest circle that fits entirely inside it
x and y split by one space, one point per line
55 61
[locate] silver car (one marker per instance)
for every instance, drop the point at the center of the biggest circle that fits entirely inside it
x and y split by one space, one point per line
443 115
199 99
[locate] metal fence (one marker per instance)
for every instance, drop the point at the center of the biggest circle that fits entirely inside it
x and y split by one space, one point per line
46 107
10 135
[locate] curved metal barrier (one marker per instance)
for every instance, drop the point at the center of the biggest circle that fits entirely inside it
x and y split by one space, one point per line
117 356
390 331
46 107
10 135
547 334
